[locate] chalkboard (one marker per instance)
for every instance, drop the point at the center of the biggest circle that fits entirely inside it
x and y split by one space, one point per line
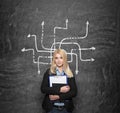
88 30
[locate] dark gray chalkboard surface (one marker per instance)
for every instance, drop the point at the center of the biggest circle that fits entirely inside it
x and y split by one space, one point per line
88 30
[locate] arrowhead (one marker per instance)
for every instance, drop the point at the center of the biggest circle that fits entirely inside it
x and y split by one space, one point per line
93 48
87 22
66 20
23 50
38 72
28 35
42 23
92 59
76 72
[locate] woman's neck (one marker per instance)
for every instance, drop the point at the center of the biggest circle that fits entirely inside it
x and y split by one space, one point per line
60 69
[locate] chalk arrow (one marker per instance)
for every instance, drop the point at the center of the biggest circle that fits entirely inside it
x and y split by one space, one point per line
76 72
66 20
92 48
87 23
92 59
42 23
39 72
28 35
23 50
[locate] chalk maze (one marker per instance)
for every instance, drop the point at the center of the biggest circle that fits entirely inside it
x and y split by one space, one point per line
46 53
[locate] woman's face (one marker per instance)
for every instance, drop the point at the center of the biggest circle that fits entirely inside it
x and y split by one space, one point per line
58 60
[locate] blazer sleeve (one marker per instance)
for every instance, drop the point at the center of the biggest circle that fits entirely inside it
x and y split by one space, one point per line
45 85
72 92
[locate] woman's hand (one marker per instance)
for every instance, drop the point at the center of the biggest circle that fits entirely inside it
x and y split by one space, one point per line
64 89
54 97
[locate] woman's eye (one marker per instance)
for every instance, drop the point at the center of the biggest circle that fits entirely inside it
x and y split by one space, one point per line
56 57
61 58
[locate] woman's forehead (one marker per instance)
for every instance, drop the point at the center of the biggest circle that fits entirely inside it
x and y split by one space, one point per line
58 54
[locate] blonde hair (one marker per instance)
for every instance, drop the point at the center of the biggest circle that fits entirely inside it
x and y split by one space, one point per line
66 67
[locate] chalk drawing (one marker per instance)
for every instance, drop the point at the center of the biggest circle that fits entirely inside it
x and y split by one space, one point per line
65 41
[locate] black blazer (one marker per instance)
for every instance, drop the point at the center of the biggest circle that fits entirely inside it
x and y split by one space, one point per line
47 104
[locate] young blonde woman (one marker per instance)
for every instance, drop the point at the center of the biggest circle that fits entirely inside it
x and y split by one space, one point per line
58 99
